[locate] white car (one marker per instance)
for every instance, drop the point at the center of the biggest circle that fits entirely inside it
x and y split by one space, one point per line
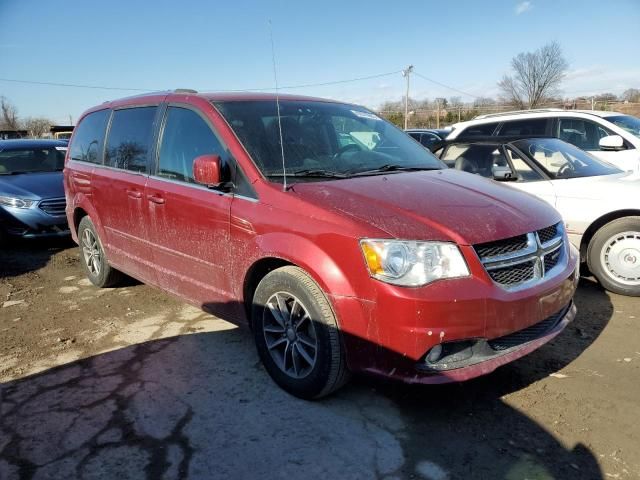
610 136
600 204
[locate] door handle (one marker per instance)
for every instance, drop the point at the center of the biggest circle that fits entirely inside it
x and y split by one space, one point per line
155 199
134 193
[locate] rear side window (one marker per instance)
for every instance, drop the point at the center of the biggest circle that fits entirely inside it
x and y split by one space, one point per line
531 126
482 130
129 139
86 145
186 136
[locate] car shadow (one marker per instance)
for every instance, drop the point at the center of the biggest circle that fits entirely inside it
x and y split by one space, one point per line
20 256
201 406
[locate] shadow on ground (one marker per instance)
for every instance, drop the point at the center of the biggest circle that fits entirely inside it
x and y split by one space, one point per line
20 256
201 406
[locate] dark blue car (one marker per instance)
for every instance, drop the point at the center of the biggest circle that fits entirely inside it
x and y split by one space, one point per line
32 202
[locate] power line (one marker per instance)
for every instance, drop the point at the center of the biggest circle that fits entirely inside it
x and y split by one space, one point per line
132 89
445 86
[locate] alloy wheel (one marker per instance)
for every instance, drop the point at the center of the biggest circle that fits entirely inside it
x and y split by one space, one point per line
290 335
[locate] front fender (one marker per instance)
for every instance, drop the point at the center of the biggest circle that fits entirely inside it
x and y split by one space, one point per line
312 257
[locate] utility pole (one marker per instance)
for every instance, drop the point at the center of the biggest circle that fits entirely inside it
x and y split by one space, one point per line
438 113
405 73
592 106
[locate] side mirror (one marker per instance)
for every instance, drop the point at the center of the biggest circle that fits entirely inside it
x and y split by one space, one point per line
612 142
206 170
503 174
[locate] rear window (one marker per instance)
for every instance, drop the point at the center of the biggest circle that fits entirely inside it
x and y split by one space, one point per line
129 139
86 145
31 160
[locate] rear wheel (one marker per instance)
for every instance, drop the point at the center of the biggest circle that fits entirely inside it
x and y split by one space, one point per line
614 256
296 334
93 258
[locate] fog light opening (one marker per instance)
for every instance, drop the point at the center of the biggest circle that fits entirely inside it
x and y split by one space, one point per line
434 354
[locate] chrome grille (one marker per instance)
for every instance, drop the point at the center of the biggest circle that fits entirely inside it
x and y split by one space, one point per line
517 262
53 206
547 234
513 274
492 249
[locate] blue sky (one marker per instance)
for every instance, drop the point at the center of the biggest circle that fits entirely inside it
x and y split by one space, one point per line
213 45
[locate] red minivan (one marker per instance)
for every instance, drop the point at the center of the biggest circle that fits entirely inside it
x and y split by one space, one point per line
341 242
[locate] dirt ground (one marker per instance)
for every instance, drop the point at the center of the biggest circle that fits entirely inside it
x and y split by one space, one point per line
131 383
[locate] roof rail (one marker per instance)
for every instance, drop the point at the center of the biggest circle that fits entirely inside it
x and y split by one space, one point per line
184 90
501 114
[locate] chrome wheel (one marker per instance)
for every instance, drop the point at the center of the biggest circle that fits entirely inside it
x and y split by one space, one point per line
290 335
620 258
92 253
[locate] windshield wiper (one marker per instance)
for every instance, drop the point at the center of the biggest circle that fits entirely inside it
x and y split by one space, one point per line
311 173
393 168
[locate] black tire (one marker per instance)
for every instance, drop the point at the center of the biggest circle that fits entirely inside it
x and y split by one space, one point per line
104 275
329 371
602 244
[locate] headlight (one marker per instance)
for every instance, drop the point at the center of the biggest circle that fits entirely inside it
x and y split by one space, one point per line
16 202
411 263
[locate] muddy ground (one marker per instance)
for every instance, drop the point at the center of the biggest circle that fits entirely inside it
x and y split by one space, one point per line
131 383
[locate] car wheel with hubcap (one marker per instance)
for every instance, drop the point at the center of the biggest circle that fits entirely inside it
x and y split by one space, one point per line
296 334
614 256
92 257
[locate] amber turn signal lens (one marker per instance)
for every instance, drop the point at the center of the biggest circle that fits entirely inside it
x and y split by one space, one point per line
372 257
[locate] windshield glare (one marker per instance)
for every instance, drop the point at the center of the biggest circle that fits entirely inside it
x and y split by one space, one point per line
562 160
322 138
31 160
626 122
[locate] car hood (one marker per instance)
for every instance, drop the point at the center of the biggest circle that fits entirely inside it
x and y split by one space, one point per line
443 205
620 188
33 185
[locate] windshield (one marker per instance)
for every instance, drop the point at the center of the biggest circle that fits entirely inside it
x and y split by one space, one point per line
322 139
562 160
626 122
31 160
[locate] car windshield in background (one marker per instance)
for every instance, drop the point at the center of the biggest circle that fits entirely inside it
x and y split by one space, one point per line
562 160
626 122
32 160
322 140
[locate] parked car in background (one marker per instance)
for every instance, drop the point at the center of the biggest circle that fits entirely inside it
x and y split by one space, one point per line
32 202
365 255
609 136
600 203
429 138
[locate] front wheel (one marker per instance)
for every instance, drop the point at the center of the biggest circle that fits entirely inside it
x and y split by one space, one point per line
613 256
296 334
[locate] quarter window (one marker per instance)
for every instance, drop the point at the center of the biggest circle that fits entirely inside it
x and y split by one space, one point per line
86 145
531 126
482 130
186 136
130 138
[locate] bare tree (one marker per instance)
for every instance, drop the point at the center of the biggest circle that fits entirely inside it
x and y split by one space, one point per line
37 126
536 76
8 115
631 95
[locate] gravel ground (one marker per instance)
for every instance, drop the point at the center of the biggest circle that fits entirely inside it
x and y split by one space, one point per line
131 383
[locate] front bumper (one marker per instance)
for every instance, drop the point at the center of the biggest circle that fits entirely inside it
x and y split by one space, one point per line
482 325
483 358
32 223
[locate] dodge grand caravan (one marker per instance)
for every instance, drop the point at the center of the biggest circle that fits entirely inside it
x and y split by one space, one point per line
341 242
